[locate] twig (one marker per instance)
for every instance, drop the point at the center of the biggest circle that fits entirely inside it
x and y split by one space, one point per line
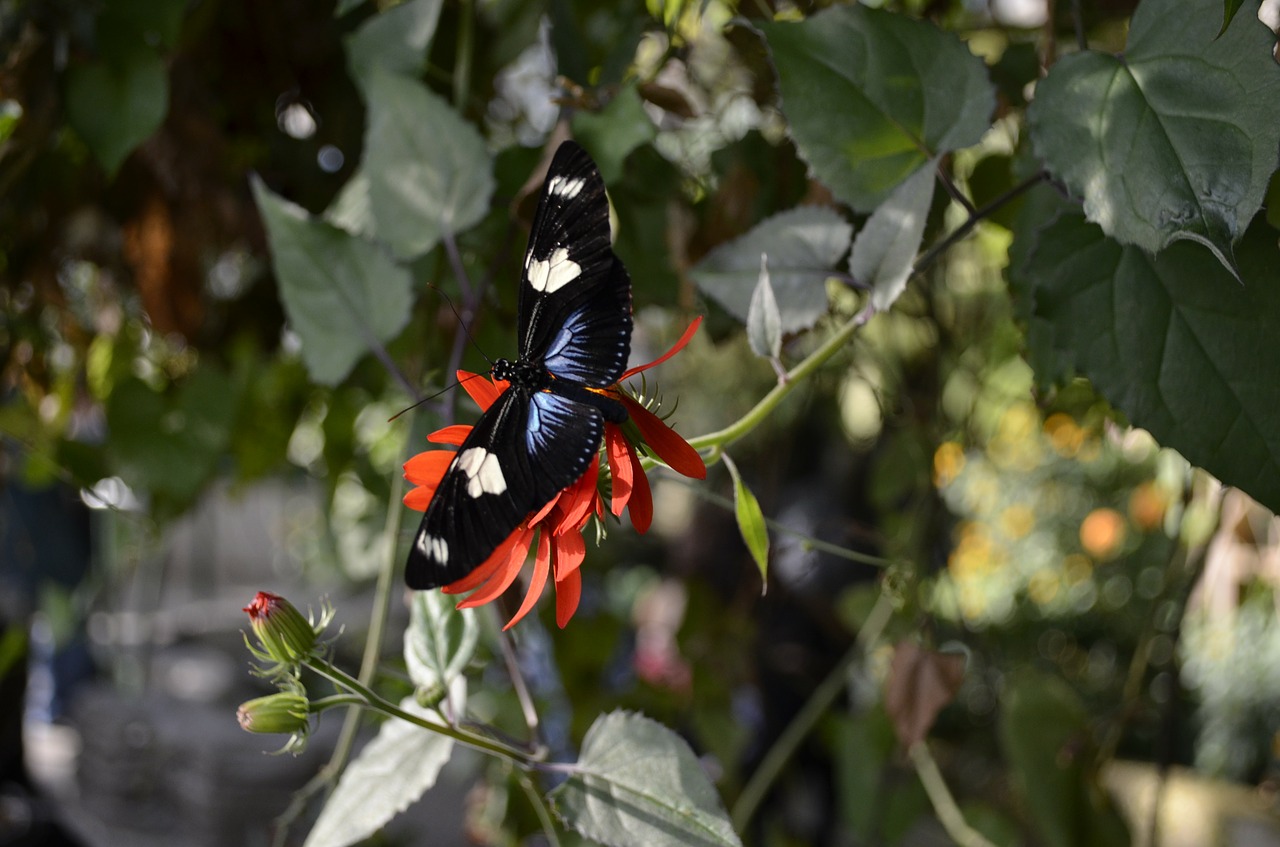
944 805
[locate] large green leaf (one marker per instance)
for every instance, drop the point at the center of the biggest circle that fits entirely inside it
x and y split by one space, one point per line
427 170
1174 139
873 96
1045 737
1173 341
115 106
343 295
395 40
613 132
801 245
638 783
392 771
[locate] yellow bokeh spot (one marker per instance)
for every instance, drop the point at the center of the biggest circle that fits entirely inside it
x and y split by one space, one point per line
1043 587
1102 533
948 462
1064 434
1017 521
1147 505
1076 569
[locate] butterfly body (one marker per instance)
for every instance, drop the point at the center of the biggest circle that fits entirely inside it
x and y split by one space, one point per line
541 434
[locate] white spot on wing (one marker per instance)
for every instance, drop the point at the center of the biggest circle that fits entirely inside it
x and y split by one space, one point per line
484 474
566 188
554 272
433 548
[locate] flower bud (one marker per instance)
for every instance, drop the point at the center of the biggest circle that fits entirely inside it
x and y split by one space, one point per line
285 635
284 711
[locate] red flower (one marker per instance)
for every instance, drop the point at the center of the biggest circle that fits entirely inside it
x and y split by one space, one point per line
558 525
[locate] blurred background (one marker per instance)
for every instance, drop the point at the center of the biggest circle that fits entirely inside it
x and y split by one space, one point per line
166 454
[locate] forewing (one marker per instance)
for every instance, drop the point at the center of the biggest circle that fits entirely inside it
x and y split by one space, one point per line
519 455
575 295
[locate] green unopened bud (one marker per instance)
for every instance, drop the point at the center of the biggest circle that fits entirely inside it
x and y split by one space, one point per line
284 634
281 712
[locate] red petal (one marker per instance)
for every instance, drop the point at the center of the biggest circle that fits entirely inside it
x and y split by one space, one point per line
420 498
539 515
568 593
675 348
641 504
428 468
570 551
455 434
576 501
619 452
541 567
500 570
665 441
484 391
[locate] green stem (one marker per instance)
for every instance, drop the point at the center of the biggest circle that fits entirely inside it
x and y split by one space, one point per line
806 719
318 706
376 702
944 805
462 65
539 808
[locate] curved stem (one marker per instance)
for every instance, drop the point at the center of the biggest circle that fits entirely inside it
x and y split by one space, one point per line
539 808
944 804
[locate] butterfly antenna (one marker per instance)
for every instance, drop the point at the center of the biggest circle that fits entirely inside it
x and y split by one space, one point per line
462 323
455 384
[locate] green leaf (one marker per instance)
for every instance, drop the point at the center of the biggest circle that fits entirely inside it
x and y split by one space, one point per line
885 249
391 772
764 322
343 295
169 444
638 783
1045 737
802 246
613 132
746 509
907 93
1172 341
1176 138
1229 9
395 40
116 106
440 640
428 170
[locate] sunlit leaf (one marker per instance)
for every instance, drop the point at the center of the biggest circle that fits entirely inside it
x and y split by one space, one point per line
395 40
906 93
342 294
1173 341
1175 138
637 784
886 247
802 246
440 640
392 771
746 510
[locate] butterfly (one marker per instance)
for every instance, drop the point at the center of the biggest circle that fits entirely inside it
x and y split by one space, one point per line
574 335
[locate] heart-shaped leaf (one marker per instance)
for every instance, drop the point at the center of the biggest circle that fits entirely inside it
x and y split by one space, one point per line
116 106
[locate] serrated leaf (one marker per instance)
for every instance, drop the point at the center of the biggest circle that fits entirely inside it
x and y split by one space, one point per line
802 246
637 784
395 40
391 772
440 640
751 525
764 323
885 250
1173 341
341 294
907 93
428 170
1045 738
115 106
1174 139
613 132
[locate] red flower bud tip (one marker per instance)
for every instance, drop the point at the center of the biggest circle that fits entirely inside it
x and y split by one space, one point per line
283 633
281 712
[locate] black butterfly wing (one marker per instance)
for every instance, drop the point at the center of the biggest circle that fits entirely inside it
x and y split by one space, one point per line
520 453
575 297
